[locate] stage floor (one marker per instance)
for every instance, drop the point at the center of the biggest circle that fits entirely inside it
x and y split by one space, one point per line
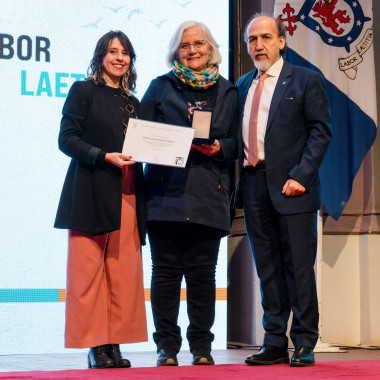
56 362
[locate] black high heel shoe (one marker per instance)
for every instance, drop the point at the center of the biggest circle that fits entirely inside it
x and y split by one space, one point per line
113 351
98 358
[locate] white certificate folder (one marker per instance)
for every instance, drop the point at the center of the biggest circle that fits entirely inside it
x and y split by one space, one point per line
158 143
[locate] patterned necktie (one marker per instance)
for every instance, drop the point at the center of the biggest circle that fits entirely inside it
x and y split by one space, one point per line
253 153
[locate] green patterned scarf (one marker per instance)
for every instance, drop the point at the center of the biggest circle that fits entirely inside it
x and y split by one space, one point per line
196 79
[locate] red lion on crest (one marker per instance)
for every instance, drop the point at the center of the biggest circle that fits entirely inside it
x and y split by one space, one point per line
324 9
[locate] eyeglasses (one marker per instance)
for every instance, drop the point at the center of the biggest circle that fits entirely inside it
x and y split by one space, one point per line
198 45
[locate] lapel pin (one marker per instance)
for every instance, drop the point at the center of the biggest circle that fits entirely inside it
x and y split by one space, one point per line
283 83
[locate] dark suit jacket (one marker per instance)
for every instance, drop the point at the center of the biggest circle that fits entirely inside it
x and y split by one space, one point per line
297 136
92 192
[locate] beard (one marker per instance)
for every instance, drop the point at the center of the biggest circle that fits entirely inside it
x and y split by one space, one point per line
263 65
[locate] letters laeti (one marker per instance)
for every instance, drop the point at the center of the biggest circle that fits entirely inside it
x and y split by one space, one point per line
55 84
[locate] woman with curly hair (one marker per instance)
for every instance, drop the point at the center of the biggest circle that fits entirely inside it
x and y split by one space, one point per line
102 205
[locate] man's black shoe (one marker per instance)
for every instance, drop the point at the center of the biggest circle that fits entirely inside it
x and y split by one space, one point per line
167 356
269 355
303 357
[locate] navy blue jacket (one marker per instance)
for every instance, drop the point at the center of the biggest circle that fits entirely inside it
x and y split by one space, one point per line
297 136
199 193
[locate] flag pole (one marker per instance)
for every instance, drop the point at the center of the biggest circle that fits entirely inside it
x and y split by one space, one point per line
321 346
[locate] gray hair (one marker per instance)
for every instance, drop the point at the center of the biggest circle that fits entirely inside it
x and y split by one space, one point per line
280 28
215 56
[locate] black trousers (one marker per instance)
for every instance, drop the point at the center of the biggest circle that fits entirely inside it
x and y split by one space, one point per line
183 250
284 249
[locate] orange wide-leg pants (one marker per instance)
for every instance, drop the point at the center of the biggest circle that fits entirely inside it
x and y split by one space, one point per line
105 301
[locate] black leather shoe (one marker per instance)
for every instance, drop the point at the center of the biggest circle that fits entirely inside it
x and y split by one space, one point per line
269 355
202 356
167 356
98 358
113 351
303 357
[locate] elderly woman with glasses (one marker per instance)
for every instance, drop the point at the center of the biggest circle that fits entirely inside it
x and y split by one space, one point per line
188 208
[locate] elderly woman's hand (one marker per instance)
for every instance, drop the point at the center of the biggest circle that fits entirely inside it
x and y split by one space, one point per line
118 159
209 150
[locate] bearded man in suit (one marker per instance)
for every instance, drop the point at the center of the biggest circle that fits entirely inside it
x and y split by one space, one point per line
284 134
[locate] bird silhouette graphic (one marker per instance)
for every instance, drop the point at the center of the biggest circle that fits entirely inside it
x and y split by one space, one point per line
159 24
134 12
93 24
183 5
114 10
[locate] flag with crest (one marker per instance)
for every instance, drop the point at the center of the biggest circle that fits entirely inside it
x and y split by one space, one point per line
335 37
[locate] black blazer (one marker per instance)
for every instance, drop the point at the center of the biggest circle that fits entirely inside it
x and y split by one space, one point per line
91 125
297 136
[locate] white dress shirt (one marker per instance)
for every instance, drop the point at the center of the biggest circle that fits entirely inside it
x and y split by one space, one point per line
265 101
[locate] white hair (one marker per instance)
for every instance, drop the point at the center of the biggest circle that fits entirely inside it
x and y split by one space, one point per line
215 56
